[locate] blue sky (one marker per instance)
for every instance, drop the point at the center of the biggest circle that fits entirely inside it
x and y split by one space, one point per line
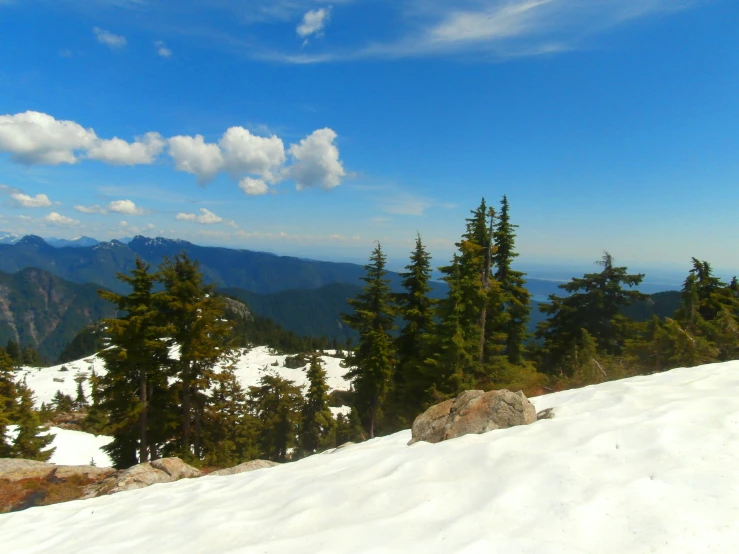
314 128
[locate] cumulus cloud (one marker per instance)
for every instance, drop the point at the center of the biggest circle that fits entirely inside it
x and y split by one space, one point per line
37 138
115 151
253 187
206 217
57 219
314 22
38 201
194 155
162 49
126 207
317 161
109 39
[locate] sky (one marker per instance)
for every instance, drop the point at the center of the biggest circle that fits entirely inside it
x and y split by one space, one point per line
314 128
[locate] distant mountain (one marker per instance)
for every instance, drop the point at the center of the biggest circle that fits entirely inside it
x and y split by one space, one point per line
46 312
8 238
79 242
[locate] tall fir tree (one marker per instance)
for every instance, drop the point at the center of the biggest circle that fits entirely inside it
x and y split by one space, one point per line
136 367
32 440
517 299
202 335
417 311
594 304
14 351
8 400
373 359
316 420
276 403
229 431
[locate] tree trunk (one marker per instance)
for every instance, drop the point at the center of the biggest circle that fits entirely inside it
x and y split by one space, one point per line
198 425
143 439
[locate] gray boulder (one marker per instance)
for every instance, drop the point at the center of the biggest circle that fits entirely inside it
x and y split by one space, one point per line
245 467
473 412
164 470
16 469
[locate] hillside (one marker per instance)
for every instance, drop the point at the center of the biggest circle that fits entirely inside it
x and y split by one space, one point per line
638 465
44 311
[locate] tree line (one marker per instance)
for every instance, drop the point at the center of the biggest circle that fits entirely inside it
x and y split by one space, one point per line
476 337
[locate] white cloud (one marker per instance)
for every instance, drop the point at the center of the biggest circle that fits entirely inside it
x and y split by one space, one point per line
253 187
206 217
37 138
247 153
401 203
194 155
56 219
94 209
115 151
125 207
314 22
38 201
109 39
317 161
162 49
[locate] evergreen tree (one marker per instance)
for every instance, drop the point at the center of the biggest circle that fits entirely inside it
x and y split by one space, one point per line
373 358
229 431
417 311
349 428
135 362
96 419
8 400
276 403
80 402
202 334
30 356
517 299
32 441
62 402
14 351
594 305
317 422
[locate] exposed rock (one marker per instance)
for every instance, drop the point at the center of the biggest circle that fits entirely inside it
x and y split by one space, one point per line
15 469
245 467
546 414
473 412
176 468
141 476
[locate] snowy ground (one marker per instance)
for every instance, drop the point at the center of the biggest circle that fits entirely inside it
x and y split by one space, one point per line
641 465
73 448
251 365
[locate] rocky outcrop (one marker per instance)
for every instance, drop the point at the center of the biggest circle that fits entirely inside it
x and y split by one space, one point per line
14 469
164 470
473 412
245 467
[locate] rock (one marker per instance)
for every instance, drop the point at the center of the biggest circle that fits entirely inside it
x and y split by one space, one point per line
176 468
245 467
15 469
473 412
429 426
141 476
546 414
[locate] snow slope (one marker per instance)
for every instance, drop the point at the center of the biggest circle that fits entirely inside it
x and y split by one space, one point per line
641 465
73 448
251 365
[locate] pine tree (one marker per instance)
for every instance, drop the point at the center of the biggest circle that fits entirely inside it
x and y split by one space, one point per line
317 422
348 428
517 299
62 403
203 336
32 441
417 312
96 419
135 363
594 305
8 400
276 403
373 359
80 402
14 351
229 431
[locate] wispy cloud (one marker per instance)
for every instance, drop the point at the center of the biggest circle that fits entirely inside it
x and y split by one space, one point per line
162 49
109 39
313 23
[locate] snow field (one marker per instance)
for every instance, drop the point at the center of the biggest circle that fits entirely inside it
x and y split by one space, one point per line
641 465
73 448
